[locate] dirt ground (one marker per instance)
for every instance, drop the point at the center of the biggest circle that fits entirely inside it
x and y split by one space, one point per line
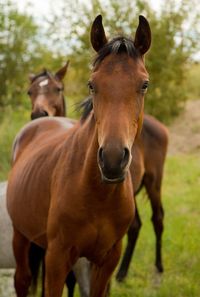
184 133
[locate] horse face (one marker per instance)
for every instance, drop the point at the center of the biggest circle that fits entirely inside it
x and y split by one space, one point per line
118 84
46 94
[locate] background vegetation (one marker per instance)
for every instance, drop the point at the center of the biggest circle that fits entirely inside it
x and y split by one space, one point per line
27 46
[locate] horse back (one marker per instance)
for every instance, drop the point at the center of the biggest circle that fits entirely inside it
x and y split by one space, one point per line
36 128
154 142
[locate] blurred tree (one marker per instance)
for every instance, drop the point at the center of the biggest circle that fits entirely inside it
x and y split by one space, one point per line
21 52
174 40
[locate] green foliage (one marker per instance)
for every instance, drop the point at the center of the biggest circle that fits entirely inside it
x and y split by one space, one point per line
16 32
21 52
11 123
174 40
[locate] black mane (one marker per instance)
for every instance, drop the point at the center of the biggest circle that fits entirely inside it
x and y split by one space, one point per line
117 45
85 107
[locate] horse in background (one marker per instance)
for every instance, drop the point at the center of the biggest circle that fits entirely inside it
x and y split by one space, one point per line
74 197
47 98
46 93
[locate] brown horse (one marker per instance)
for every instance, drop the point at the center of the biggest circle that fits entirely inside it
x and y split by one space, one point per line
47 99
46 93
149 153
146 172
74 186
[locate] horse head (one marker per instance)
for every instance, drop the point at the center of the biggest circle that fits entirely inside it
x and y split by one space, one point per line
117 85
46 93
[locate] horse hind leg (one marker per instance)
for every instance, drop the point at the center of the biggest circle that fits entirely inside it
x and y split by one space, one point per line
133 233
153 188
22 278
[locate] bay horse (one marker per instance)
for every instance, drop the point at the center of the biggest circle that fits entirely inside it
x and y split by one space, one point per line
46 93
146 168
74 186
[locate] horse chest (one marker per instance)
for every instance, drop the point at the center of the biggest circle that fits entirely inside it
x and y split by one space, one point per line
107 231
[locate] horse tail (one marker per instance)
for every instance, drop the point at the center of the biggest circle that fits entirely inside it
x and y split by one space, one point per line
36 257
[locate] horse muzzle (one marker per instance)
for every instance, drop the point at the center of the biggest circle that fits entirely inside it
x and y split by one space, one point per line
113 164
39 114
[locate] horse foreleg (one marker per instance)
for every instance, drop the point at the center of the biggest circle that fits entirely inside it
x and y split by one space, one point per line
58 263
133 233
100 275
22 278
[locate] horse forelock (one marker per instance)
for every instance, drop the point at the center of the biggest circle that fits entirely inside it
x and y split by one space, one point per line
117 45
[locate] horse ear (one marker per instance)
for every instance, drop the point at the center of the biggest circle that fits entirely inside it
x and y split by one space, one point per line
143 36
31 77
97 35
60 74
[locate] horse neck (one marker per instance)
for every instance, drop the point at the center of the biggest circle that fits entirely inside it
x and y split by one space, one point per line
63 108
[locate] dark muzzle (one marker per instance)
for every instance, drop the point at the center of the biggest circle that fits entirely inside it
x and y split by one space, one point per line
113 163
38 114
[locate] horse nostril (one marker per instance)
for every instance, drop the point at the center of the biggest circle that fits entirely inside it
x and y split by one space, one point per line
125 158
100 157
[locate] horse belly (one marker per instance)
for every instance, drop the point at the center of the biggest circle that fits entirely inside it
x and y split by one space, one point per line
28 208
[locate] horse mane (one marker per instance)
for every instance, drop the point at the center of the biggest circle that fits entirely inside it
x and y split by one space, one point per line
117 45
85 107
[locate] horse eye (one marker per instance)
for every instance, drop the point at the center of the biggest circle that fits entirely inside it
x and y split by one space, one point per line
91 87
59 89
145 86
29 93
